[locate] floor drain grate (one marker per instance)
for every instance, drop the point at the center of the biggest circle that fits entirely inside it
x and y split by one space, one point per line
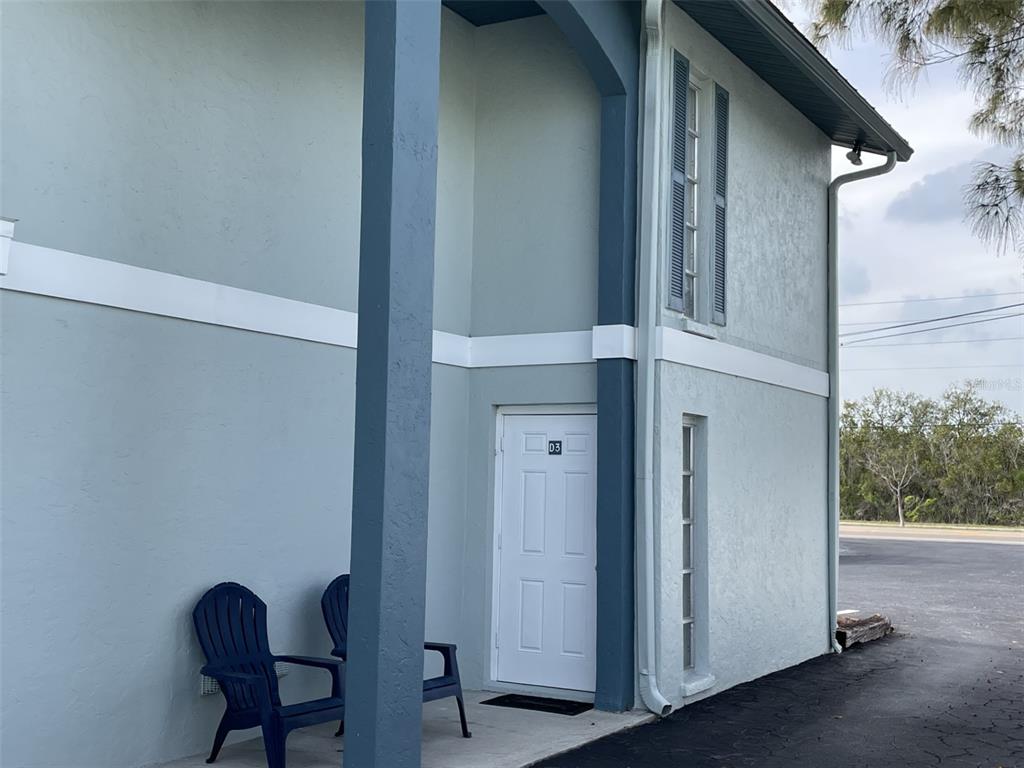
540 704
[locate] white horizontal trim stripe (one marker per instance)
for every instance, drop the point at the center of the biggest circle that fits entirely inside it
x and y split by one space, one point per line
64 275
452 349
699 352
562 348
49 272
614 341
6 235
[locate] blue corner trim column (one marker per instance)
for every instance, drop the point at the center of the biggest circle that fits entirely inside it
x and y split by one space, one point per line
615 536
615 410
606 36
393 369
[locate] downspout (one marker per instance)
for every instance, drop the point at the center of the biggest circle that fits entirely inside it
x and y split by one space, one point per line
833 383
647 309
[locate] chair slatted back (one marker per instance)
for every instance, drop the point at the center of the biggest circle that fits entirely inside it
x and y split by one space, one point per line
231 624
334 604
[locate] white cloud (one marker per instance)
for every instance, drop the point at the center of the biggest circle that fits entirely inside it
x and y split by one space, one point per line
916 255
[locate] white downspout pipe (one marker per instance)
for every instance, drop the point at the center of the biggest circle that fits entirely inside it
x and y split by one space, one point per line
647 309
833 384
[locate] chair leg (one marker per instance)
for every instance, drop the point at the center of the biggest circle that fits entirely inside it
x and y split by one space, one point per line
462 716
273 744
218 739
341 729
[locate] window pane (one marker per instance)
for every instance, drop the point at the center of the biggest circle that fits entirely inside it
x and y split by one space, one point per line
688 650
687 497
691 203
688 299
691 249
691 109
687 449
691 155
687 546
687 595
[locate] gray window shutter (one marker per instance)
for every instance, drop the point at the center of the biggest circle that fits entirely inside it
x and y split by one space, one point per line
718 255
677 254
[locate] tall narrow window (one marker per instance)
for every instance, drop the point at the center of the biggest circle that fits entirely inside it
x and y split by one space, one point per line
686 173
682 247
690 286
699 129
689 508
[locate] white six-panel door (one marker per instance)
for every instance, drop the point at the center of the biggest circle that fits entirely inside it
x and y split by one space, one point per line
546 598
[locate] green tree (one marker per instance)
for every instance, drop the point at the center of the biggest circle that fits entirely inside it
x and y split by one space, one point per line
985 40
891 441
956 460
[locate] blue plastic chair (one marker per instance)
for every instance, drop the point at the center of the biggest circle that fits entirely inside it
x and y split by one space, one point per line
335 607
231 624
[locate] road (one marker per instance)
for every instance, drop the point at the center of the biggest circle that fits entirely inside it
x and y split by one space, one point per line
945 690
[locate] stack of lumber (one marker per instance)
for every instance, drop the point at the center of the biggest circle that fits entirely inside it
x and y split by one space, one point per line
851 631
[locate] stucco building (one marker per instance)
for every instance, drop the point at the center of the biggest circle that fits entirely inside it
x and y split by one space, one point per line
595 454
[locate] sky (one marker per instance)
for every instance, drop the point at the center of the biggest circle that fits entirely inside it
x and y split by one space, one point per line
903 237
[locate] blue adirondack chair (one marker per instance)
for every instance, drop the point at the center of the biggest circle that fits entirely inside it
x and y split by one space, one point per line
231 624
335 607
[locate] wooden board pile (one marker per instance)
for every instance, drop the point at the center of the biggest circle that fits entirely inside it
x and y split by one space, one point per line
851 631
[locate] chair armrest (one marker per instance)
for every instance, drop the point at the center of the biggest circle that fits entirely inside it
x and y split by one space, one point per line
256 683
447 651
335 666
440 647
311 661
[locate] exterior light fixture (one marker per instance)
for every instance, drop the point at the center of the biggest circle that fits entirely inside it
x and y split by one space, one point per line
854 155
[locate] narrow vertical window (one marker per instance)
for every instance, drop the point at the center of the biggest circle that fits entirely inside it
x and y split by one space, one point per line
689 636
683 198
690 241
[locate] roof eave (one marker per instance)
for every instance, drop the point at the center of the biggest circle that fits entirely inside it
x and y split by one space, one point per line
810 59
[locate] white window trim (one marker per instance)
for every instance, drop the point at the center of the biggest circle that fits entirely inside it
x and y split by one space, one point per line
699 678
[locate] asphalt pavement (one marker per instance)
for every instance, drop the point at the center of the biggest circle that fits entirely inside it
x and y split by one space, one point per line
946 689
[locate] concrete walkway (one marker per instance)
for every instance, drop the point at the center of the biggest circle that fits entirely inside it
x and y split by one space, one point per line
502 738
946 690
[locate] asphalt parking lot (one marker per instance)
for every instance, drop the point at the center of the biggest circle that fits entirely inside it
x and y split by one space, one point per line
947 689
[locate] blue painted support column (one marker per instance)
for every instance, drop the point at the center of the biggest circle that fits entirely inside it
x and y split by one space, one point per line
615 410
606 36
392 422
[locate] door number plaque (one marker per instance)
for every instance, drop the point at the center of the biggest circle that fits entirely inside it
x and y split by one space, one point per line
554 447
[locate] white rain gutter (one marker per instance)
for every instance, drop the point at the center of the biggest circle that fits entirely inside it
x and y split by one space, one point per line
647 309
833 383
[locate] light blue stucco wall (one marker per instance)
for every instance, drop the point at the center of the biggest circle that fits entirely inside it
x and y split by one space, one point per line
146 458
214 140
779 170
535 236
763 477
764 486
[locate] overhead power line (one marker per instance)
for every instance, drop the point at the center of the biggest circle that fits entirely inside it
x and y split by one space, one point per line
934 319
929 330
937 298
929 343
872 322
